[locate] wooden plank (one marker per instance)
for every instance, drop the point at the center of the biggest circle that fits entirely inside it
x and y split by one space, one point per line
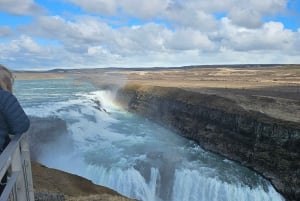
16 159
8 152
9 186
25 152
5 168
16 165
6 155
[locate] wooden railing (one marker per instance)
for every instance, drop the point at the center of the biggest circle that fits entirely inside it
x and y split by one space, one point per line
15 162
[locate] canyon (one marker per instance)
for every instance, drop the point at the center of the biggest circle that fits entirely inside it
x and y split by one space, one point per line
265 144
247 113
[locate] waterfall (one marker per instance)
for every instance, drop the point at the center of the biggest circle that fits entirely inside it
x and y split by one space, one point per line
131 154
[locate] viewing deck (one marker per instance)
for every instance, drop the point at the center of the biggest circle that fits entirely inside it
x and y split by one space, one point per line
15 162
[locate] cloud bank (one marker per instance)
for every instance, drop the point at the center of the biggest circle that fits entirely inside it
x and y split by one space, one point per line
134 33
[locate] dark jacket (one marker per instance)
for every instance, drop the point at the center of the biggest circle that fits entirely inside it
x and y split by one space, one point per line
13 119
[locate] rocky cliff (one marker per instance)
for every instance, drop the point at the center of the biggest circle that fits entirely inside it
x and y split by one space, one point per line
268 145
50 184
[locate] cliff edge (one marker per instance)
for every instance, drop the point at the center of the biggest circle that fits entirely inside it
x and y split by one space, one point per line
223 125
55 185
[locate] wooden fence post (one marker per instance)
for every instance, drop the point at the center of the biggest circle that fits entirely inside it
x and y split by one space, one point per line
27 167
16 166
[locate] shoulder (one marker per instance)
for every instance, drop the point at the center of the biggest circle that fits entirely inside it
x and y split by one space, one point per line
5 95
6 98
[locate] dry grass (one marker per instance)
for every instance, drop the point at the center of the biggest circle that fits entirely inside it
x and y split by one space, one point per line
274 91
102 197
39 76
71 186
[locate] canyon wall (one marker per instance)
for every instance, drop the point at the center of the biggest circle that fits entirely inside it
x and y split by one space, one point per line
267 145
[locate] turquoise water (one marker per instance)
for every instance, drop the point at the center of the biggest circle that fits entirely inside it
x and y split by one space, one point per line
131 154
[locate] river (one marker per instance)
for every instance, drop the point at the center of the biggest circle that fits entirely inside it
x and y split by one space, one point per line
130 154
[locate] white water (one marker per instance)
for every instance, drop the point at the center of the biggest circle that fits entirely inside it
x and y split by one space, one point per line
130 154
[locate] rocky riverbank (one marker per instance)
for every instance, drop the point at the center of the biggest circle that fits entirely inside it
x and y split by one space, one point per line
55 185
266 144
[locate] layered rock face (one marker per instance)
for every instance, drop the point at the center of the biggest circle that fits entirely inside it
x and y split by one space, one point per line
269 146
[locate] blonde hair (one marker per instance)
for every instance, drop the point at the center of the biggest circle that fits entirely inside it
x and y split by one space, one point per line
6 79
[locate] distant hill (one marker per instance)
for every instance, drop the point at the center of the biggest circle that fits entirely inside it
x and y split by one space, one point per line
74 70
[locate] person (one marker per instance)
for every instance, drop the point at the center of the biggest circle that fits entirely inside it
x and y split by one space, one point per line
13 120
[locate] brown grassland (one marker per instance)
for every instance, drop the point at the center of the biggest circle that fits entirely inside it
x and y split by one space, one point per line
273 90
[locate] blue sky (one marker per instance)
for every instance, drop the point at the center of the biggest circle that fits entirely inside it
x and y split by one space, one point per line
45 34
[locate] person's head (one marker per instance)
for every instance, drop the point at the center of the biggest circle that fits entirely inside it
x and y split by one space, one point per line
6 79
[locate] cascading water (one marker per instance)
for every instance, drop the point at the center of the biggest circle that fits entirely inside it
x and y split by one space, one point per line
130 154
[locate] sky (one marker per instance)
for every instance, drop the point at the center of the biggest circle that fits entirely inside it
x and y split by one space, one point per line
48 34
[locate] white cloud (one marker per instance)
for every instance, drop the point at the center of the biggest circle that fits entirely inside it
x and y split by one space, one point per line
249 14
20 7
144 9
189 17
97 6
271 36
268 6
245 13
188 33
137 8
78 36
296 44
24 43
249 18
87 41
192 13
189 39
5 31
75 36
23 51
141 39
